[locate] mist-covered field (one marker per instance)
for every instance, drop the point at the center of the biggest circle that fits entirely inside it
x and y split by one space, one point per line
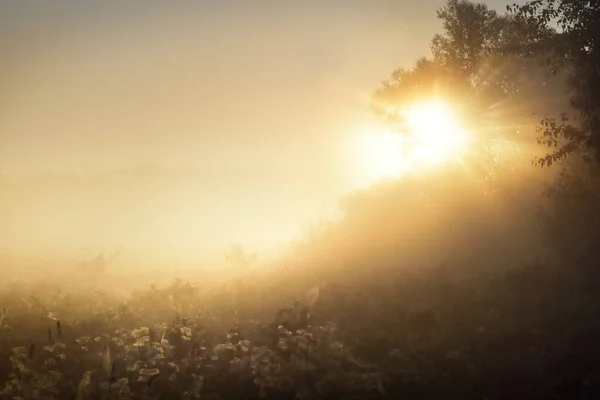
390 301
277 246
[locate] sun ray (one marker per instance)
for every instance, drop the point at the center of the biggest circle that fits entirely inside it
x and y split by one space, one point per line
430 136
434 132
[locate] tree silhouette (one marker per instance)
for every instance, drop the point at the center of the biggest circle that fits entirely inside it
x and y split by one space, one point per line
98 264
503 73
238 257
493 91
573 46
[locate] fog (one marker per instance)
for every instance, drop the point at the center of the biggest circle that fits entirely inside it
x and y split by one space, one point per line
299 200
176 132
155 213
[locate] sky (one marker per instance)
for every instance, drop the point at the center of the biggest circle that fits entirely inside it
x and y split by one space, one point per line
253 106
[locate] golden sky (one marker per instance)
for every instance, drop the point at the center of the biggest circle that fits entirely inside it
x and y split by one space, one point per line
260 98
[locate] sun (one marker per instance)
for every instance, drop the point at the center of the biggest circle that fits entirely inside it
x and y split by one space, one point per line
431 135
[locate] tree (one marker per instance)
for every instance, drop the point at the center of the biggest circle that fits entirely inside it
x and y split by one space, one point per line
502 72
98 264
238 257
471 32
574 46
494 91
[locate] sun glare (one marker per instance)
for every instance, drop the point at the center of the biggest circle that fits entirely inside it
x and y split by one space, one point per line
433 133
431 136
382 154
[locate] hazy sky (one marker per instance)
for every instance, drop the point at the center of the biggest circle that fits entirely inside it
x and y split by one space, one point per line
273 89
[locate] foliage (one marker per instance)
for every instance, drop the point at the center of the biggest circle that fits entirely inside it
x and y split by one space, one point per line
499 70
525 84
573 46
504 334
239 257
494 93
375 324
98 264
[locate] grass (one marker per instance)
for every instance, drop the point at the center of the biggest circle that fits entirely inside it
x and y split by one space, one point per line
522 333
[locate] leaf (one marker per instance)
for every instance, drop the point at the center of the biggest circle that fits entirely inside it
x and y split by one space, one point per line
313 295
106 359
51 316
51 348
83 390
146 374
83 340
198 383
